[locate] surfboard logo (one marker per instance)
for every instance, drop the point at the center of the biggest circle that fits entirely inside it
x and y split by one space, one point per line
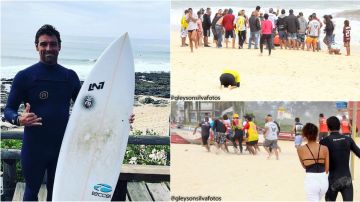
88 102
102 190
92 86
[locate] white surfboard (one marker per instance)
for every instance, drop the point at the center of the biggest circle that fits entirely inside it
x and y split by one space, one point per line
97 133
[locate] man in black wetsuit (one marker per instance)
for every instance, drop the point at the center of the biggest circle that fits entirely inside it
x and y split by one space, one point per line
205 132
46 88
339 173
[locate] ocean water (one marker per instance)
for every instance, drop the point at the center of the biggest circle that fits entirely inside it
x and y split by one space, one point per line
80 53
321 8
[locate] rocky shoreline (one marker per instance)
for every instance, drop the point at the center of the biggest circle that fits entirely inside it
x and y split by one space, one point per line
150 88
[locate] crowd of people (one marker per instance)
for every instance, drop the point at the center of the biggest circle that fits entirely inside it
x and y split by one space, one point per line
325 156
237 131
291 31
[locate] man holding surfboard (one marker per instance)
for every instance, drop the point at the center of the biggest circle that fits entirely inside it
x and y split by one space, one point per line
46 88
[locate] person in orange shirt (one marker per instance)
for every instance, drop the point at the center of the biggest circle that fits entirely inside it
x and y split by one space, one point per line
323 132
345 126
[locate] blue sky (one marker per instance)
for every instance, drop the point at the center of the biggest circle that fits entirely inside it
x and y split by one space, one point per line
142 19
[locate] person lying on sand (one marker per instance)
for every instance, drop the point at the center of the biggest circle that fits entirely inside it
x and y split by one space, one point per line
230 79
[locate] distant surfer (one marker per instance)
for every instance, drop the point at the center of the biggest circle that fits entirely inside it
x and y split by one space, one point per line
230 79
46 88
205 132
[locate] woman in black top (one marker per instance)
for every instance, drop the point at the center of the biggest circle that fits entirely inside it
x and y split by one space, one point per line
314 158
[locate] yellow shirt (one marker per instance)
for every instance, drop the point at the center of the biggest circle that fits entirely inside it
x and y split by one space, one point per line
240 23
253 135
234 73
184 24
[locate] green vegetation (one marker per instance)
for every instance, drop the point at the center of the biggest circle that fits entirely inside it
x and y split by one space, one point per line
147 154
13 144
135 154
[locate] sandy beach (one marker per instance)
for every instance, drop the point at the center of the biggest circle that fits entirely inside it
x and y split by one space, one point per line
286 75
152 117
195 172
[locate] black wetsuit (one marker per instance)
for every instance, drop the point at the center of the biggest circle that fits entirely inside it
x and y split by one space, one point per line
205 131
48 89
339 173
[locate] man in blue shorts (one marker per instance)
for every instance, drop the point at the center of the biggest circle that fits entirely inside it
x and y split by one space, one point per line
302 31
292 27
281 25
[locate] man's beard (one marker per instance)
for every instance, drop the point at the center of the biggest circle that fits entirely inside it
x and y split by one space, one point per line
50 57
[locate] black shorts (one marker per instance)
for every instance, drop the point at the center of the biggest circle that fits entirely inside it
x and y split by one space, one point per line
229 33
227 79
190 31
207 32
204 139
252 143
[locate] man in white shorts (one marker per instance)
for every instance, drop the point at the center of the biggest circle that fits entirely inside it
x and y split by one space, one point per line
271 138
297 130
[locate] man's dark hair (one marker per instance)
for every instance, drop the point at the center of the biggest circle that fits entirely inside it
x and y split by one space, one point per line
257 8
282 11
297 119
186 11
321 115
266 16
291 11
301 14
47 30
333 123
225 117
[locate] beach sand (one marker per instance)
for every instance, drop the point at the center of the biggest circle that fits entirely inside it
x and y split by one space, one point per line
152 117
195 172
286 74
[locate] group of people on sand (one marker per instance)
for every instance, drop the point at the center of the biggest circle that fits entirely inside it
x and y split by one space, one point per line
325 157
291 31
237 131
